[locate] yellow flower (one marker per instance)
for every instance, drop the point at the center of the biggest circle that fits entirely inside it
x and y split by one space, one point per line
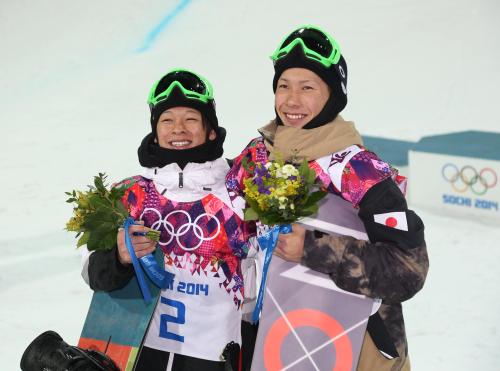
83 201
292 187
262 204
74 224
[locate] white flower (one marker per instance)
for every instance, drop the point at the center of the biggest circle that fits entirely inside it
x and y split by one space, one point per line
280 174
282 200
290 170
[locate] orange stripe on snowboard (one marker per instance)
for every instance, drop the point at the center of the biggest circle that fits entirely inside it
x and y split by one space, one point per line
120 354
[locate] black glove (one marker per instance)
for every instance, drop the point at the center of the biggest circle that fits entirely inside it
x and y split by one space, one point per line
49 352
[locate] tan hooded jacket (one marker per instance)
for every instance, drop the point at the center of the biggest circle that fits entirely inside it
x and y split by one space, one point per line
375 269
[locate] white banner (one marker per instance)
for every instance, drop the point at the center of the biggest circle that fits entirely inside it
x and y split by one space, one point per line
457 186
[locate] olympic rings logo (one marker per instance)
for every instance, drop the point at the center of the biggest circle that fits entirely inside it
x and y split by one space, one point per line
469 178
183 229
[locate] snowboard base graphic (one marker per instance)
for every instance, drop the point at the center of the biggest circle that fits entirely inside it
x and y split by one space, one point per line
117 322
307 322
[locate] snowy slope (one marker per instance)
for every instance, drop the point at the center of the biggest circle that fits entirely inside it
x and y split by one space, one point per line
74 79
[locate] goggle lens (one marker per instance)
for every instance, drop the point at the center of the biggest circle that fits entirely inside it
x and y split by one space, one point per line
191 85
316 45
314 40
187 79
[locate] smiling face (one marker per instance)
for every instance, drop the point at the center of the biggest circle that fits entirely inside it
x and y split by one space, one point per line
182 128
300 95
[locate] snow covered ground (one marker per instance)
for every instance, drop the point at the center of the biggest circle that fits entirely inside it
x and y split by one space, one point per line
74 79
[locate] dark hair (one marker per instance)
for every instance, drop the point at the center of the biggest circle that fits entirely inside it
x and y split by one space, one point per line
207 126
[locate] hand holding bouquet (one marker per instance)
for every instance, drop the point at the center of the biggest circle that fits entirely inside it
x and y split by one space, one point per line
278 194
98 213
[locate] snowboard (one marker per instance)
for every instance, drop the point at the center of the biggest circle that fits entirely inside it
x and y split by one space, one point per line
117 321
307 322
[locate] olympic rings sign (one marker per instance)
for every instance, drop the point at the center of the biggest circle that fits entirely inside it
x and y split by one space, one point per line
469 178
189 226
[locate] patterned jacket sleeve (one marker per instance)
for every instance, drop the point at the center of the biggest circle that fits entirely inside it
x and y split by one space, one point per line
237 174
393 264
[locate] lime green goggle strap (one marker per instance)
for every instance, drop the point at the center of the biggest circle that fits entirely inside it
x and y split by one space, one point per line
316 45
192 86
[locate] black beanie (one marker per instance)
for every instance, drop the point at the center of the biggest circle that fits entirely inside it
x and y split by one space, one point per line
335 77
178 99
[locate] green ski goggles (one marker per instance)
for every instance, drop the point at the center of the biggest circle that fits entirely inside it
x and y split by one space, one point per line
316 45
193 86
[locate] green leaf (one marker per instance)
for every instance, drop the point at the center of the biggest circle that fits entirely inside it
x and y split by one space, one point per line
316 196
93 243
106 228
109 241
98 202
95 220
83 239
309 210
311 176
121 209
101 239
250 214
99 182
254 205
117 193
304 168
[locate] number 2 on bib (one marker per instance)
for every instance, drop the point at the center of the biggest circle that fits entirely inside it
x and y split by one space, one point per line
166 318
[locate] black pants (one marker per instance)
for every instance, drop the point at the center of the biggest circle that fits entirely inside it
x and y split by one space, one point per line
248 338
156 360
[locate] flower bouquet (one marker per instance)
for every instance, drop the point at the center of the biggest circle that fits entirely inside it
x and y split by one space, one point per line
278 194
97 215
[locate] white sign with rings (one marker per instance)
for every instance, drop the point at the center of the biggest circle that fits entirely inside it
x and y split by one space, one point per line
183 228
